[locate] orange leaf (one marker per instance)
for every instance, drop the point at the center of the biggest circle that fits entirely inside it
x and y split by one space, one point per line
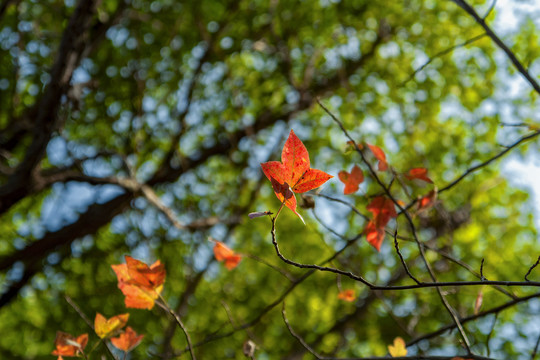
127 340
418 173
293 173
68 345
107 327
379 155
428 200
374 235
347 295
398 348
223 253
351 180
140 283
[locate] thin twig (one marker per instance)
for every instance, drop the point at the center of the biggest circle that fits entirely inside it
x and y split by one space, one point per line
491 332
531 268
403 211
88 322
494 310
298 337
470 10
535 350
168 309
264 262
403 260
439 54
482 277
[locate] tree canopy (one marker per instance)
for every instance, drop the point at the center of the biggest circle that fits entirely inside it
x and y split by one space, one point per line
137 128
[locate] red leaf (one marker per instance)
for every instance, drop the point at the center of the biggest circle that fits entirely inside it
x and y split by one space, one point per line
351 180
127 340
140 283
295 159
311 179
224 253
379 155
382 209
68 345
347 295
418 173
374 234
293 173
428 200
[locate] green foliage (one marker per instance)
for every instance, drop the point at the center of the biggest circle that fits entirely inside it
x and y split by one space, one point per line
189 98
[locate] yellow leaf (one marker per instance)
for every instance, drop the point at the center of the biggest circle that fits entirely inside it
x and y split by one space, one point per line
398 349
107 327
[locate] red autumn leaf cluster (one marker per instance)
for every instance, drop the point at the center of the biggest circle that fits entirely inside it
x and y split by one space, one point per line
68 345
293 174
224 253
383 210
128 340
351 180
140 283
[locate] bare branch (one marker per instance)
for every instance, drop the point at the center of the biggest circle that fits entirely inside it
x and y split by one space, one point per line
481 21
532 268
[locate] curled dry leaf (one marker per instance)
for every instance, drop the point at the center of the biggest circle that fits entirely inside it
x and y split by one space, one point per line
347 295
249 348
68 345
398 348
478 302
108 327
127 340
351 180
293 174
140 283
257 214
418 173
224 253
379 155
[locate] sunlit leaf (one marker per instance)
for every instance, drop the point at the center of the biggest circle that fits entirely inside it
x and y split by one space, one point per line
108 327
398 348
140 283
127 340
293 173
